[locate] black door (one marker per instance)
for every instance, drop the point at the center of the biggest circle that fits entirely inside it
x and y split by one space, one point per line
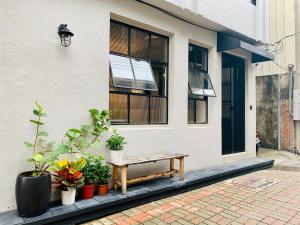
233 104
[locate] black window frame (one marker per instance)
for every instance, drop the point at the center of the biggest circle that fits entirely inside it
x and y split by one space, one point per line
152 62
195 98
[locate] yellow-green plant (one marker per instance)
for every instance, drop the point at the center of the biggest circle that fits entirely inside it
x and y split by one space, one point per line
44 153
68 174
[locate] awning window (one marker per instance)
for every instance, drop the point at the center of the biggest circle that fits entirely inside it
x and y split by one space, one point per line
200 84
131 73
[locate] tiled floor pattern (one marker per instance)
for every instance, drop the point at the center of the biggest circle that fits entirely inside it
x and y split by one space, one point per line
267 197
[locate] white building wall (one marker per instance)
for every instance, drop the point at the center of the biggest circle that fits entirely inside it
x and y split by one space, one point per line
236 15
69 81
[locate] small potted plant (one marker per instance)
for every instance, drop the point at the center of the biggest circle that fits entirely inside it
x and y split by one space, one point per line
115 144
89 173
33 188
103 173
68 177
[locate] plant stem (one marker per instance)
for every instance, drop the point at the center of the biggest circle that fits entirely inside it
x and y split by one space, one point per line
35 141
43 170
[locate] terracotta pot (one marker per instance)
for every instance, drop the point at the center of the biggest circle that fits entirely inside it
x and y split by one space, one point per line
88 191
103 189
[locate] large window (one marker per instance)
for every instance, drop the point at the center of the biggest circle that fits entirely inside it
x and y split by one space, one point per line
200 86
138 76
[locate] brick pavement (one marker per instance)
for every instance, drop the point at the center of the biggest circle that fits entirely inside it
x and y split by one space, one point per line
267 197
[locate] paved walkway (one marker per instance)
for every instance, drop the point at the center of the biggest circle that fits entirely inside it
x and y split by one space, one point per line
263 197
283 160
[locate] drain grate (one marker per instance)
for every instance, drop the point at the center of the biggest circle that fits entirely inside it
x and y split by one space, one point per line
256 184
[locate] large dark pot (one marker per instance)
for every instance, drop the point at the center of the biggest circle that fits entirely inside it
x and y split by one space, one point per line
32 194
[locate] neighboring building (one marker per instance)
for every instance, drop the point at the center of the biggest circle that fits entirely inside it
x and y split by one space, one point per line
275 123
178 76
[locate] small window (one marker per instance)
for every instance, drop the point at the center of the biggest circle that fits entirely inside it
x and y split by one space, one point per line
253 2
199 85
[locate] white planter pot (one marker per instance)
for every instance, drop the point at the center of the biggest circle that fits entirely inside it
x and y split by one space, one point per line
116 156
68 197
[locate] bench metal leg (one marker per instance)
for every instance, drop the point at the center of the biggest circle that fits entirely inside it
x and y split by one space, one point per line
172 167
115 177
124 180
181 170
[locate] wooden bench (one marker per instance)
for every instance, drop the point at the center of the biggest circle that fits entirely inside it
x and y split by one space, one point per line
146 159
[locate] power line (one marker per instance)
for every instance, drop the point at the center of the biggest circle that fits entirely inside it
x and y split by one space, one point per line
173 15
280 66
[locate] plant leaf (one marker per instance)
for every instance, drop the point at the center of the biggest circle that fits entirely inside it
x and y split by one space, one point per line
75 130
96 144
29 145
73 133
40 108
36 122
61 149
38 157
43 133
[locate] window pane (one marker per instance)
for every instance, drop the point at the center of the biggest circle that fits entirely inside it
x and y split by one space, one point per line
159 49
201 111
192 54
194 83
158 110
160 75
206 84
143 75
139 113
139 44
118 106
121 71
191 111
118 38
201 59
198 57
200 84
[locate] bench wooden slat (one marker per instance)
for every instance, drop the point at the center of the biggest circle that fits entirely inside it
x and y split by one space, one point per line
149 158
146 159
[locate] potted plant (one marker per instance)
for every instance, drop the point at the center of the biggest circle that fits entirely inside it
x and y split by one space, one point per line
68 177
103 173
33 188
87 136
115 144
89 173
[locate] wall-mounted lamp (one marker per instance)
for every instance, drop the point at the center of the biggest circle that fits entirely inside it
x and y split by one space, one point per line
65 35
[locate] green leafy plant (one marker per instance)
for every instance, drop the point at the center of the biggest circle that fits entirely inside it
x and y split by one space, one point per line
78 140
89 171
103 171
115 142
44 153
